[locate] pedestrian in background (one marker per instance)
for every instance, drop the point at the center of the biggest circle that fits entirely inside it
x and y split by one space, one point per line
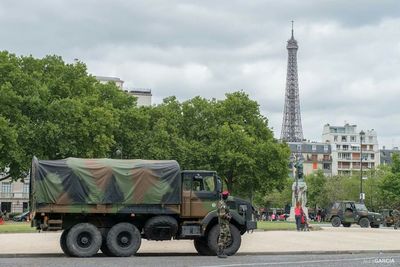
298 211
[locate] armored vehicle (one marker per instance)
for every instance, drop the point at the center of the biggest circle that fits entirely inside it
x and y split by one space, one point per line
112 204
349 212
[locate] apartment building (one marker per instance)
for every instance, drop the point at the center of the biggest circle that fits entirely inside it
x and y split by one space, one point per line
316 156
143 95
387 154
346 148
14 195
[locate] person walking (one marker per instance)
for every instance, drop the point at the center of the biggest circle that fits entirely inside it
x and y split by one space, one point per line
223 220
298 211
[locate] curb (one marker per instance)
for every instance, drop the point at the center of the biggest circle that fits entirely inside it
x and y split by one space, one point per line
147 254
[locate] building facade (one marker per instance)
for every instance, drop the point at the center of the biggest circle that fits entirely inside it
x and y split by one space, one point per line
387 154
316 156
104 79
346 149
14 196
143 96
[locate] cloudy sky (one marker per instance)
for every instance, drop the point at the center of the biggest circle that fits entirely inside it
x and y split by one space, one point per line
348 58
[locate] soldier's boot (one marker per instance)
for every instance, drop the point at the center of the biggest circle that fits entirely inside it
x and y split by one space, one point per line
221 254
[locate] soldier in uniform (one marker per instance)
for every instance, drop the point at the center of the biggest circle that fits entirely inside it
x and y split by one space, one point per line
396 218
223 221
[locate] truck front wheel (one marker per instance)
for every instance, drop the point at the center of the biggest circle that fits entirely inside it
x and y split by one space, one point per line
123 240
83 240
200 244
233 245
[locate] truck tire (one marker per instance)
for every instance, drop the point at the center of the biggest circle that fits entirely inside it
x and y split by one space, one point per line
104 249
123 240
336 221
232 247
63 243
200 244
83 240
364 222
150 228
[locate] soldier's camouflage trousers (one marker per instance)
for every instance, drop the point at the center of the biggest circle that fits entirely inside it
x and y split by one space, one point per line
224 235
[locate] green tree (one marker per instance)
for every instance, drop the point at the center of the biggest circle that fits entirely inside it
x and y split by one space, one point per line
390 184
316 189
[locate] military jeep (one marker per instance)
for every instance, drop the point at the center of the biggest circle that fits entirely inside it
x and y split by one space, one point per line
349 212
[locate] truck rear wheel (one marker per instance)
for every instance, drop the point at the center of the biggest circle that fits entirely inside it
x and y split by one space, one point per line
63 243
200 244
83 240
233 245
123 240
104 248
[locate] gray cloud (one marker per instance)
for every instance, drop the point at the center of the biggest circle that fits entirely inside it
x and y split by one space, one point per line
349 53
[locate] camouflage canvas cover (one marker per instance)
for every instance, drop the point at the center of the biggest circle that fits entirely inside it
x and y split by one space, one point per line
105 181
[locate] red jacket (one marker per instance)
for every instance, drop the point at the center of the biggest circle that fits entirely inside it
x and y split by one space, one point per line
298 211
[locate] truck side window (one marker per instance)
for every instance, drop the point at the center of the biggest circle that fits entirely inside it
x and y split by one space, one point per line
209 183
197 185
187 182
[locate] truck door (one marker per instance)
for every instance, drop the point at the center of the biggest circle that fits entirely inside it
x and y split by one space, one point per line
199 194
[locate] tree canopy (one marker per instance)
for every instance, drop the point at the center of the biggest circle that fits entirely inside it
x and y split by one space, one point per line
53 110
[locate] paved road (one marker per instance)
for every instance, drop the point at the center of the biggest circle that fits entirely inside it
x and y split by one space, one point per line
198 261
278 242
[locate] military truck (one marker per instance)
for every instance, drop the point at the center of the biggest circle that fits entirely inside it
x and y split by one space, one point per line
349 212
111 205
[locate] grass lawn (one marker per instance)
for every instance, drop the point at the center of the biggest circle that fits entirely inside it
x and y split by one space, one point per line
16 227
279 226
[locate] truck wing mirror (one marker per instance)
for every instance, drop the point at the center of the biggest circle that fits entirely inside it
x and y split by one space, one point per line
219 185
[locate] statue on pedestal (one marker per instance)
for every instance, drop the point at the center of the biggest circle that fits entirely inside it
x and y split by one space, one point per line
299 189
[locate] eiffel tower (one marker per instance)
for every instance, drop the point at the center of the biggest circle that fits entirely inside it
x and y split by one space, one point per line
291 124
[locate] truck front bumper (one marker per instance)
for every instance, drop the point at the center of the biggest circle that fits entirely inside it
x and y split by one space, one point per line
251 225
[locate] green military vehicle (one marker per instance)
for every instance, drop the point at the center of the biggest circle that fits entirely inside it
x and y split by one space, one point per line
349 212
391 218
112 204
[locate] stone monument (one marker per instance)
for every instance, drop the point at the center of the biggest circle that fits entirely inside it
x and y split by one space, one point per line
299 190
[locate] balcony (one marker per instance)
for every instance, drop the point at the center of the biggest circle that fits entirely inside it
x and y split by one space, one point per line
6 195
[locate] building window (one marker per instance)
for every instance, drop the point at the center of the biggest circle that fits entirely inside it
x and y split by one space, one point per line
352 138
345 147
372 156
327 166
325 148
335 138
344 138
338 147
6 187
314 157
371 139
314 147
25 189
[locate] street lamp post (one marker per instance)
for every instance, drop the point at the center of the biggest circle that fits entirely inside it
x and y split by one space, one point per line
362 134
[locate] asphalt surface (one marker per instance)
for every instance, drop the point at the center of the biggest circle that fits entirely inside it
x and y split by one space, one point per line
155 260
